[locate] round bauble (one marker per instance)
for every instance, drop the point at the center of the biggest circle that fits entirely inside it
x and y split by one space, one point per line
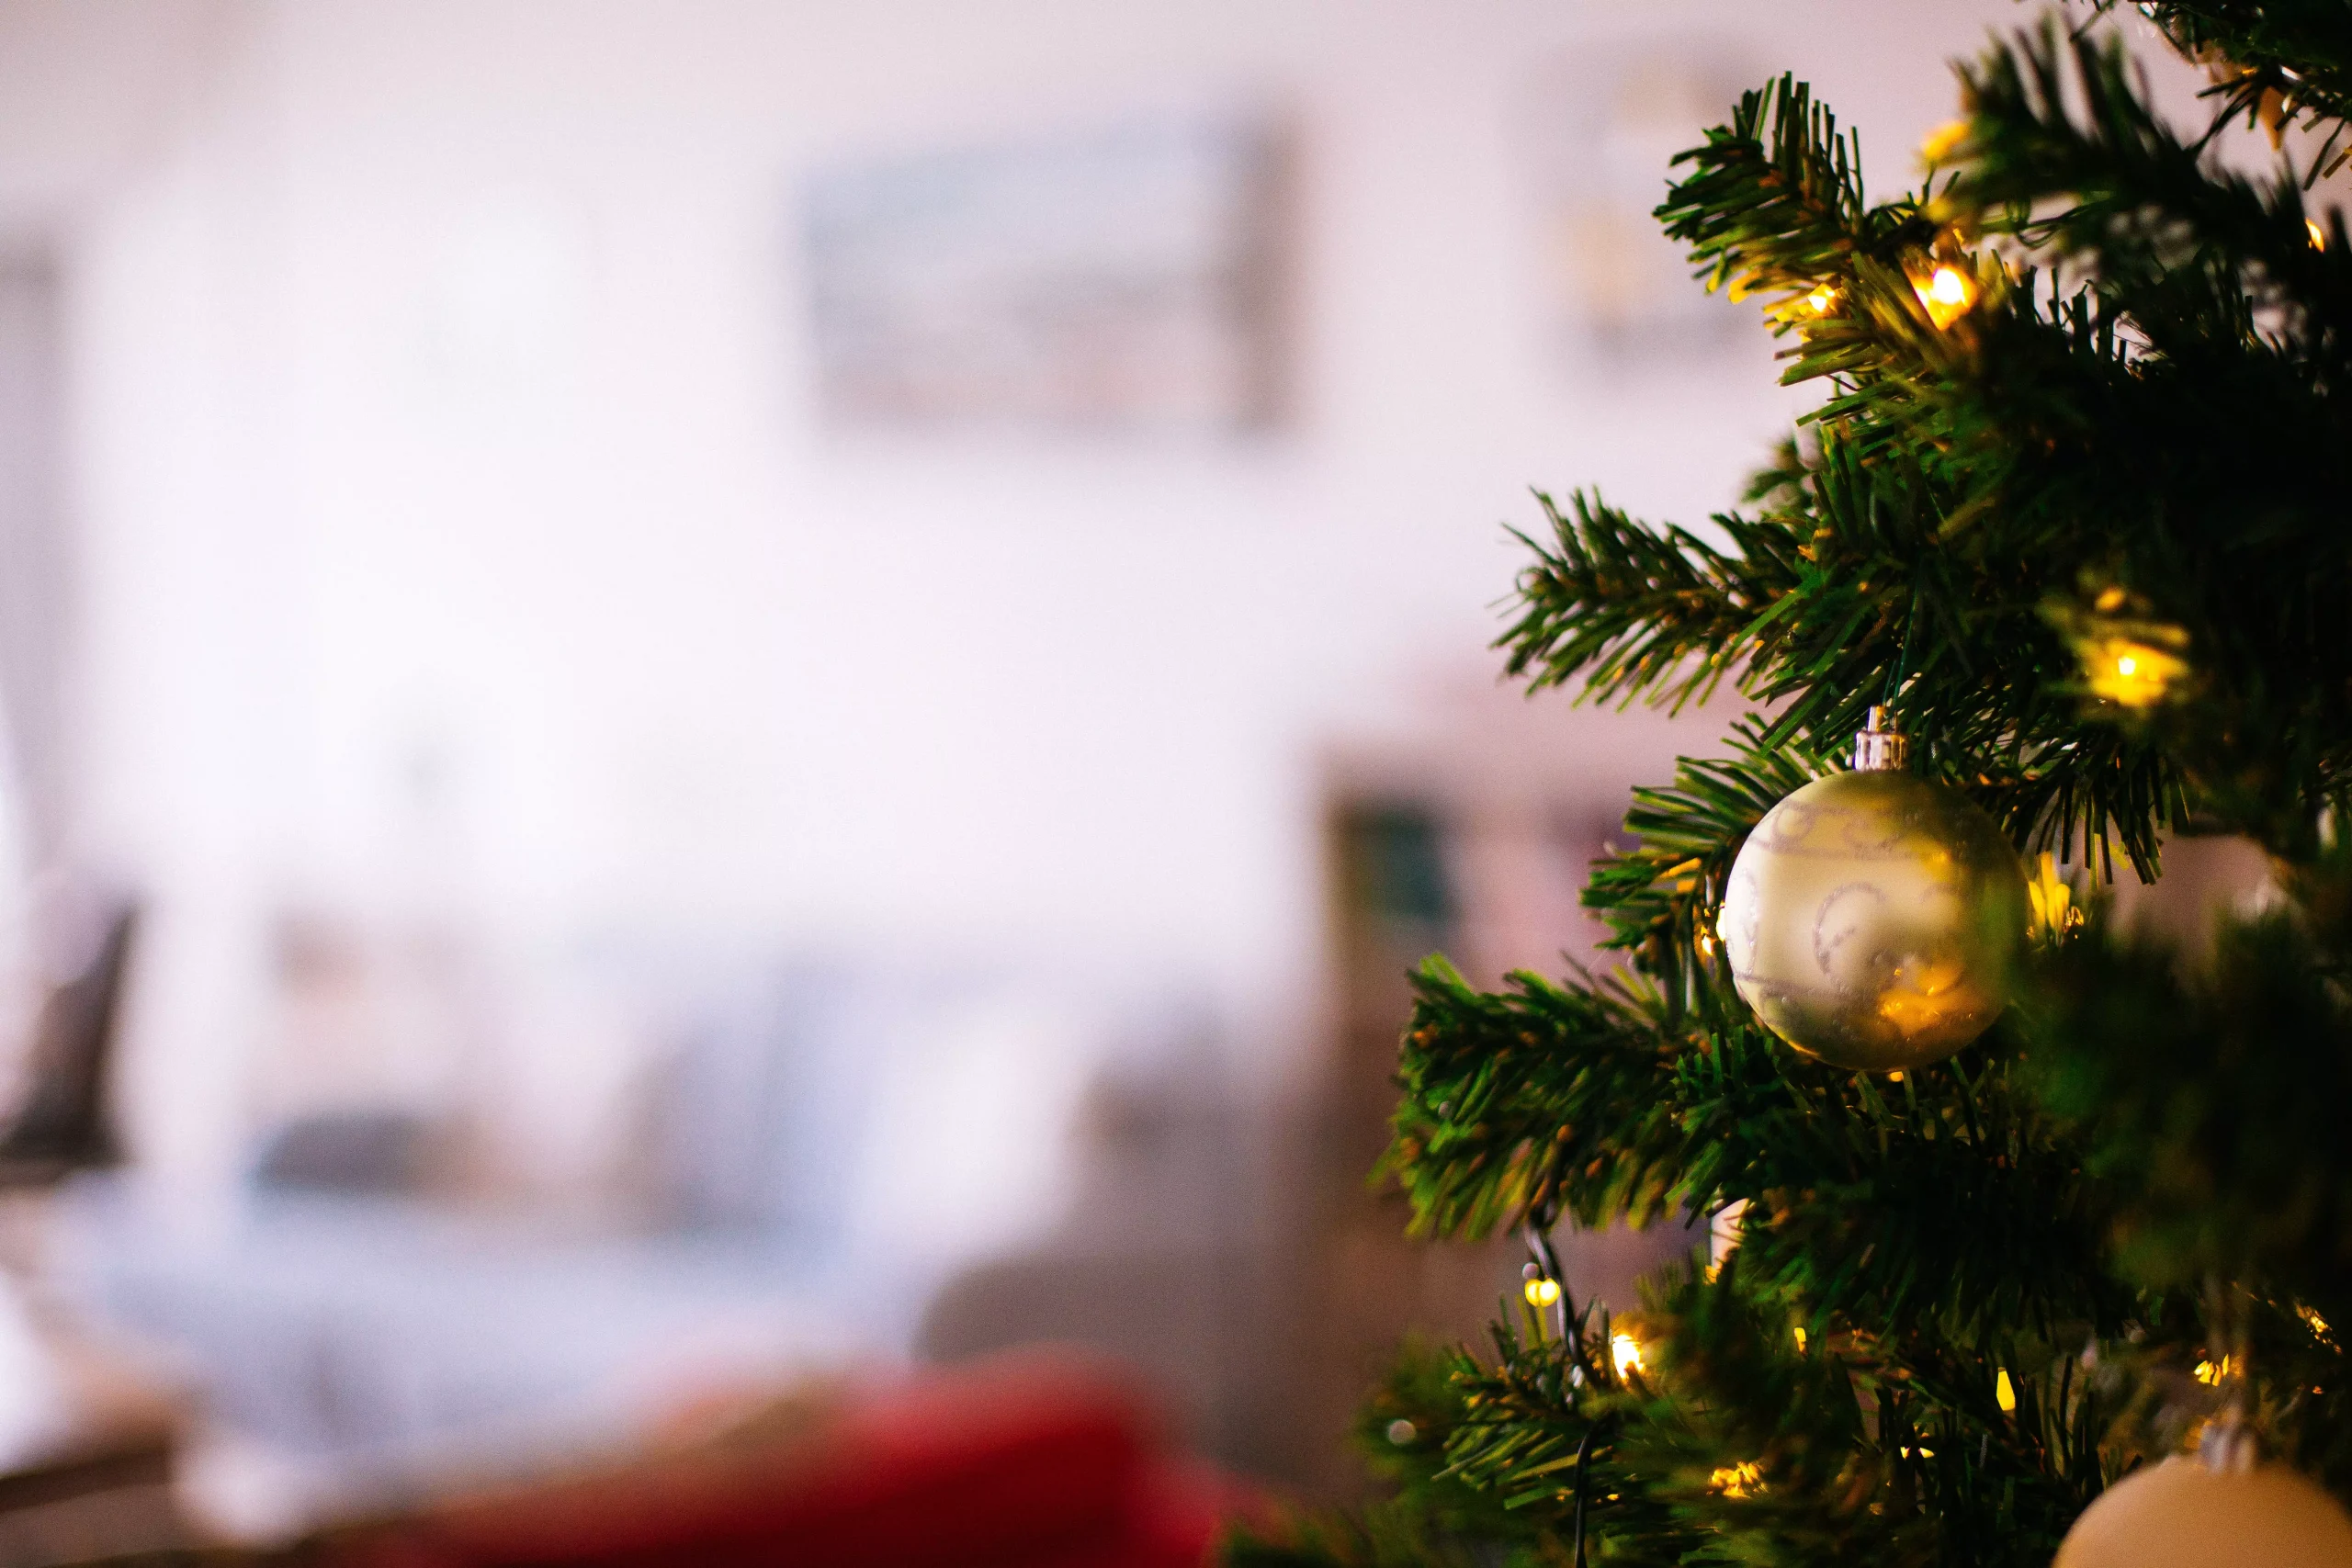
1874 920
2186 1514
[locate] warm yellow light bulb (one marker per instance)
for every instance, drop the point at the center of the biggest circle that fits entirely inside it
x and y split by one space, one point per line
1941 140
1543 1292
1799 1338
2128 670
2051 900
1737 1479
1947 293
1821 300
2005 1392
1625 1352
2318 234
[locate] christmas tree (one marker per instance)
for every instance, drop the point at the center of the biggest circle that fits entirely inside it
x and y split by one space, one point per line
2073 511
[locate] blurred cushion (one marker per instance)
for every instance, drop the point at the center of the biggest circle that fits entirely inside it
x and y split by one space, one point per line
1038 1463
353 1151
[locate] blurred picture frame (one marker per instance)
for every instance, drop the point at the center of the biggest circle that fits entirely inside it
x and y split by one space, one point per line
1120 278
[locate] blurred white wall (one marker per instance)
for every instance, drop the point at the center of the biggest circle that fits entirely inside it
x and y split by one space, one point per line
457 527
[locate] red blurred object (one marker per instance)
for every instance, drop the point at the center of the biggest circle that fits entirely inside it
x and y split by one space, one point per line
1039 1465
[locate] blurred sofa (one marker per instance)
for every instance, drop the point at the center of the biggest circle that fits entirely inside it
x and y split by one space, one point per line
833 1166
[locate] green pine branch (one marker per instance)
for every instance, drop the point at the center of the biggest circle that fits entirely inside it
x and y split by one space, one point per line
1660 897
2208 1093
2276 64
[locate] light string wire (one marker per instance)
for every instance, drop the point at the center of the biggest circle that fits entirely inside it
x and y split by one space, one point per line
1536 1228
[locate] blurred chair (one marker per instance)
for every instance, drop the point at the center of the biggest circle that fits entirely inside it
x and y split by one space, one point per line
86 1461
63 1124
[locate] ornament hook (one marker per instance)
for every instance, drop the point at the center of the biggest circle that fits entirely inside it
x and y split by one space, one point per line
1880 748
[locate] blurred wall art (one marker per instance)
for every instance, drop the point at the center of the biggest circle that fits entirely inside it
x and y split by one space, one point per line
1121 277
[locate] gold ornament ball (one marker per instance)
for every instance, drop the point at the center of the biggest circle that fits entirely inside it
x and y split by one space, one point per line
1875 918
2185 1514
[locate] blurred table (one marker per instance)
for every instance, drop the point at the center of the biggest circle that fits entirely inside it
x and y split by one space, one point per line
97 1481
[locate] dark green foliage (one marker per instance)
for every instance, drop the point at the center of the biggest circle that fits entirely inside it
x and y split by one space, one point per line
2126 444
2207 459
2217 1091
2276 63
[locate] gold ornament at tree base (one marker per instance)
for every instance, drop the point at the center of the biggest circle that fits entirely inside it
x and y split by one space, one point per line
2186 1513
1875 918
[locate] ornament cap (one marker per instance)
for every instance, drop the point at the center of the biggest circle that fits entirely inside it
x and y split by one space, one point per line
2228 1446
1880 748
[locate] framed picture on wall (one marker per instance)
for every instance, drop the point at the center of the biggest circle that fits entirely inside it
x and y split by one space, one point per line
1120 278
